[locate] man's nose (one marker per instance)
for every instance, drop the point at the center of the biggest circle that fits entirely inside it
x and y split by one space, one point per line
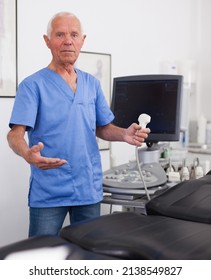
68 39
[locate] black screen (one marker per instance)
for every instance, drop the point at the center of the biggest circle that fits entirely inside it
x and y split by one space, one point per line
156 95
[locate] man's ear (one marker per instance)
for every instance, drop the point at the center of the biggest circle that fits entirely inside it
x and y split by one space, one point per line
84 37
47 41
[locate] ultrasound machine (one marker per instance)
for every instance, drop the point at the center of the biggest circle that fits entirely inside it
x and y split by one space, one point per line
153 101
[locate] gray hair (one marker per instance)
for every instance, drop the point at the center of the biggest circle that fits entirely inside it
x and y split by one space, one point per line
60 14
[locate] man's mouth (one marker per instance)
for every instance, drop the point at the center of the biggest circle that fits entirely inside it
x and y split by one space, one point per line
67 51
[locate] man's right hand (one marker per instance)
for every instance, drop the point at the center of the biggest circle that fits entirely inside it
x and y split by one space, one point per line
34 157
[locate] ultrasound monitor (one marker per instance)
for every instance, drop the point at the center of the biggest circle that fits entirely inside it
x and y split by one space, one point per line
156 95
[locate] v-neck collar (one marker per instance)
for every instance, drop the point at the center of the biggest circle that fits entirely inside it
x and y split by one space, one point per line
64 85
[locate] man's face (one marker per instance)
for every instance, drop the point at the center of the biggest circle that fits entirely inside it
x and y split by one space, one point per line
66 40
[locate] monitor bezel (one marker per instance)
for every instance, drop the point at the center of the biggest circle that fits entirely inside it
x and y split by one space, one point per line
155 137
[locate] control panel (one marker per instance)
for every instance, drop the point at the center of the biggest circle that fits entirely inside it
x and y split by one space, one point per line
126 179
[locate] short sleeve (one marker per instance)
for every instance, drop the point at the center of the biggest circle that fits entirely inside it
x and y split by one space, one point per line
25 106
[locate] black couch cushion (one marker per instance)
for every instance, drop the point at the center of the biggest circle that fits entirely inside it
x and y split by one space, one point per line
189 200
128 235
29 246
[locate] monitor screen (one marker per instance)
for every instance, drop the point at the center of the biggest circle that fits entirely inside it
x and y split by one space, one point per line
156 95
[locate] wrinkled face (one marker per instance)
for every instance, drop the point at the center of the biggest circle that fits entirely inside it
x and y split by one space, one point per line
65 41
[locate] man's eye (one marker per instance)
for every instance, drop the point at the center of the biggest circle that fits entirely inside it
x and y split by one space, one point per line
59 35
74 35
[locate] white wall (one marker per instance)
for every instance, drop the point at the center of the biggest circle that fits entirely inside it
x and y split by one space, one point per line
14 174
204 55
139 34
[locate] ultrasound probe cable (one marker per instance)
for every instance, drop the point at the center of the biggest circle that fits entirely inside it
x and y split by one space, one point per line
143 119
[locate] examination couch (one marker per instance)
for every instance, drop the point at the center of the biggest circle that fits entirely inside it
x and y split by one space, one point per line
177 226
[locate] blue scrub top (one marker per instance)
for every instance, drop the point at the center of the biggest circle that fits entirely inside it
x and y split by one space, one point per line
66 123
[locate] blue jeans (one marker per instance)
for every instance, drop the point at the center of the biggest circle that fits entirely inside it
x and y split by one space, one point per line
49 221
